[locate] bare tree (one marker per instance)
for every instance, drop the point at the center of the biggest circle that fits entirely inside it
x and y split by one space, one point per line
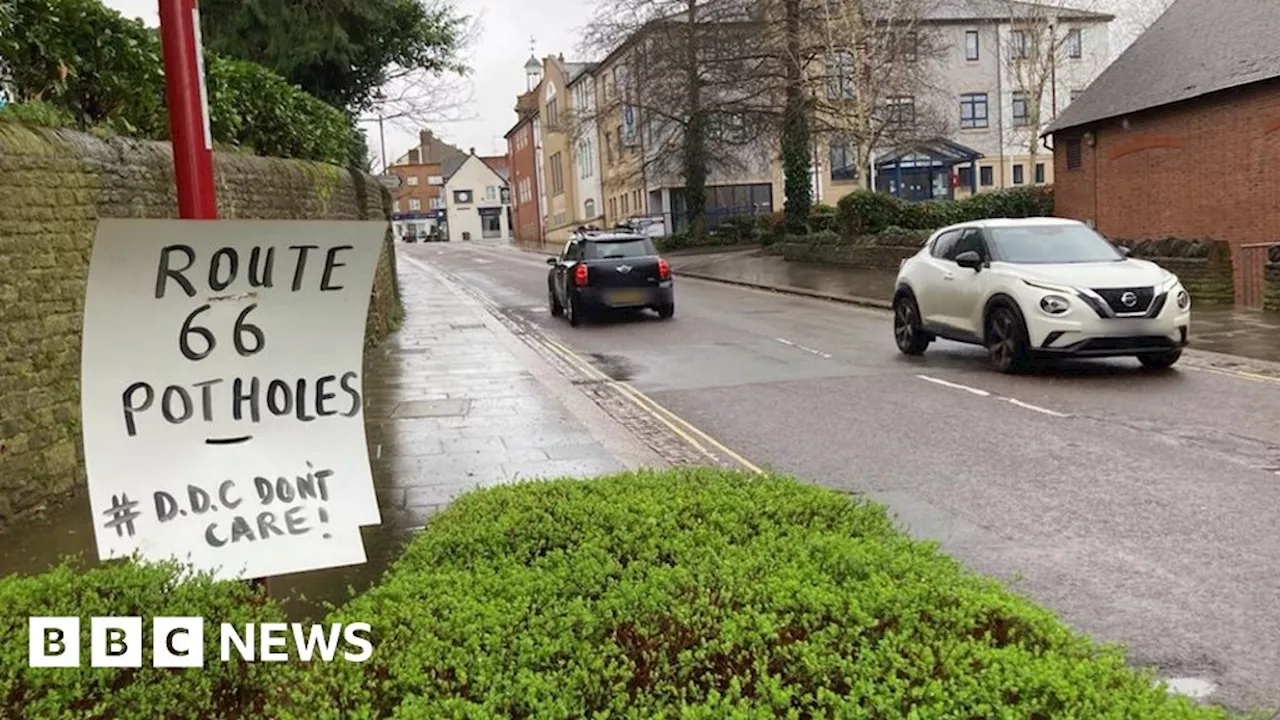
689 74
874 83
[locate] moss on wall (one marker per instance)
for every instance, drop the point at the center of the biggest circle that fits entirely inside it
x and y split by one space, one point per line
54 185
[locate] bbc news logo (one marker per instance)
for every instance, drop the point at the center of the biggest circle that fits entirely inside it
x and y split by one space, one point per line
178 642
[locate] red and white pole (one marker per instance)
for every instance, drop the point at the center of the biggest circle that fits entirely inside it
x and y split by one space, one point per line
187 100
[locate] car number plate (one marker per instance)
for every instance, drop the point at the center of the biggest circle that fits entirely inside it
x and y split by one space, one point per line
626 297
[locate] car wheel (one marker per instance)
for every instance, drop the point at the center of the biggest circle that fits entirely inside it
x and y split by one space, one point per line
1160 361
1006 340
666 312
574 310
907 332
554 302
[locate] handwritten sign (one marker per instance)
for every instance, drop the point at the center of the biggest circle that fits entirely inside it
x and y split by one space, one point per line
222 393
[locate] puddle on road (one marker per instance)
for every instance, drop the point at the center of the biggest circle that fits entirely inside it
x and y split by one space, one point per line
615 366
1197 688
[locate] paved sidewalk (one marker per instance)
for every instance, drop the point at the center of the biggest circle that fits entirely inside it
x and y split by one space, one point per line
1229 331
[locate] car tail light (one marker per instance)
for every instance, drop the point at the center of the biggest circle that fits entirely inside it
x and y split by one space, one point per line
664 269
580 275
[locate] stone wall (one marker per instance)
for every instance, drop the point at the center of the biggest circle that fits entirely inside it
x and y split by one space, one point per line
1203 266
1271 298
54 185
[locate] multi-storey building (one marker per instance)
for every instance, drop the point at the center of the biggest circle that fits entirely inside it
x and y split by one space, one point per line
524 159
989 64
556 113
418 206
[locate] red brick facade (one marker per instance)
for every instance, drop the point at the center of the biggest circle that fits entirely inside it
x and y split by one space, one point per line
522 164
1207 168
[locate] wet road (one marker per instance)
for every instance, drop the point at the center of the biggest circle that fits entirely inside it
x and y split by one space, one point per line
1141 506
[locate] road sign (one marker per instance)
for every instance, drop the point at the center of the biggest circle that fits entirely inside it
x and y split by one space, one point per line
392 182
222 392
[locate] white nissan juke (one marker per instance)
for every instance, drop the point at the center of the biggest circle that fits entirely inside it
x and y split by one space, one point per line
1039 287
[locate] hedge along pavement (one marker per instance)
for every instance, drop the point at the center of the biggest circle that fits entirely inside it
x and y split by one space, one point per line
90 67
685 593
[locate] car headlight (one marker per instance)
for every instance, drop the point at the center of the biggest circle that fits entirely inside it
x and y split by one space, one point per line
1184 300
1055 304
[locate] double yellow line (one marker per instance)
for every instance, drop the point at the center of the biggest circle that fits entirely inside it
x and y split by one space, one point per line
678 425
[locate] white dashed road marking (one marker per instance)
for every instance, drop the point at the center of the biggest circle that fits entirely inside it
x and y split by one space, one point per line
984 393
1035 408
809 350
954 386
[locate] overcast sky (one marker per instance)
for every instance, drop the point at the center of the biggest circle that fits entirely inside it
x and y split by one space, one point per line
497 57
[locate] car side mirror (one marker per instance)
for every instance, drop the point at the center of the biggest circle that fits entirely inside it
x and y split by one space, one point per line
969 259
552 261
1124 251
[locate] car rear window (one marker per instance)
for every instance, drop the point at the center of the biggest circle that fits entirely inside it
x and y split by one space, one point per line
604 250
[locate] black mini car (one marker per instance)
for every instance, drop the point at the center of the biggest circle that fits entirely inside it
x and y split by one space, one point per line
601 270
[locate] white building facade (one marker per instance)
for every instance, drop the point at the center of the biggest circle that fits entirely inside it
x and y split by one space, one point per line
477 202
586 151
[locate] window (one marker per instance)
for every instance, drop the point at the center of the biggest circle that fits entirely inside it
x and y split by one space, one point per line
462 197
973 110
1075 48
613 208
606 250
1019 177
411 181
437 203
553 112
504 195
415 204
1074 153
986 176
965 178
970 241
435 179
589 209
619 136
626 204
557 175
902 110
906 47
971 45
1021 110
490 224
844 162
490 193
586 159
1039 173
608 148
840 75
1021 44
943 245
395 206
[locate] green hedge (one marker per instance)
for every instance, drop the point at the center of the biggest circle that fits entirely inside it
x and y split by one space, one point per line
707 594
219 691
867 213
687 593
99 69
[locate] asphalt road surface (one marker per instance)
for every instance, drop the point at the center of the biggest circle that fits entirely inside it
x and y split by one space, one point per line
1143 507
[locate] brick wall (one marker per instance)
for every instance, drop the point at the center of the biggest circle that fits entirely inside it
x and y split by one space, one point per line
1208 168
53 188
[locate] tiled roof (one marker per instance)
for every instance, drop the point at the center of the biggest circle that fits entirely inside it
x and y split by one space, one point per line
1197 47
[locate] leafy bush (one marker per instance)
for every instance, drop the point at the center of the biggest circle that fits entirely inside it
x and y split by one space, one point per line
706 594
220 690
822 222
99 69
864 212
38 113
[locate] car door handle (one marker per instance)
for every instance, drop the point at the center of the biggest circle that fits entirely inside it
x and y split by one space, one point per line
949 276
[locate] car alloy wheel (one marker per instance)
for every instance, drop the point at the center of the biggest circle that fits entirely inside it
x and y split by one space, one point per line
1006 340
907 332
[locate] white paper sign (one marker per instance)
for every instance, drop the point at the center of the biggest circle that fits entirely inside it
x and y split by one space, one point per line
222 392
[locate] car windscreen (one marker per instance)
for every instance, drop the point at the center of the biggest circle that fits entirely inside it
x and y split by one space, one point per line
607 250
1050 244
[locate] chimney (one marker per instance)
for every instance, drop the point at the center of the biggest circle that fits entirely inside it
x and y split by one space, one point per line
415 156
561 57
473 151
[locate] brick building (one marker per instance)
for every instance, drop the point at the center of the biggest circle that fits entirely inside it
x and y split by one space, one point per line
524 160
1180 136
419 205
